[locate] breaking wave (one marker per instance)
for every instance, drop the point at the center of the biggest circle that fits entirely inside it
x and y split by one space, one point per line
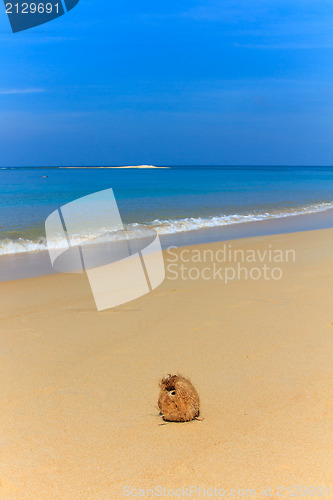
164 226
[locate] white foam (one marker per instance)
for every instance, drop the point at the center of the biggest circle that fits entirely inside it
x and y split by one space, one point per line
136 230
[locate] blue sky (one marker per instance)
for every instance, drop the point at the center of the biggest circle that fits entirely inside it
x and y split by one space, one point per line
191 82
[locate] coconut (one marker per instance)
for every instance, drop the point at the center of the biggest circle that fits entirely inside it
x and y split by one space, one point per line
178 400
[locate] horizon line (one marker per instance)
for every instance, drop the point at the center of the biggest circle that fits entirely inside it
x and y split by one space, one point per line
4 167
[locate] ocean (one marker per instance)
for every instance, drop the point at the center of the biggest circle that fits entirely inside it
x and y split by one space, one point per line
172 200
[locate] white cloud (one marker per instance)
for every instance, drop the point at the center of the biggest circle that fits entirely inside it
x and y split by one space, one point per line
21 91
284 46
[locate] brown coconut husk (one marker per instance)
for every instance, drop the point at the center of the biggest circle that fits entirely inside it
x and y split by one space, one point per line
178 400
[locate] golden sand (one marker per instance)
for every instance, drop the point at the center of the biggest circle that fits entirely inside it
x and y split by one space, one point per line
79 388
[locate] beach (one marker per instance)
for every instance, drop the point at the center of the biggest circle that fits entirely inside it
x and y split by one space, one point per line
79 415
166 250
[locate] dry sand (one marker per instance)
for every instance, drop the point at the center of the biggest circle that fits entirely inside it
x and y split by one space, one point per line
79 388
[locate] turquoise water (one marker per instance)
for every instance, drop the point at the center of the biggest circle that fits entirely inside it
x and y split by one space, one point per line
171 200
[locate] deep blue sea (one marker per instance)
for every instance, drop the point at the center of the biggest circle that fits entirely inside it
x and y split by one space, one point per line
172 200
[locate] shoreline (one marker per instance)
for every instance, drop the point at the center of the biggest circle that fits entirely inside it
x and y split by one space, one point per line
33 264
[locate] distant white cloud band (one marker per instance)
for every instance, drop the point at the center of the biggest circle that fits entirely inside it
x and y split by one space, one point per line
283 46
20 91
